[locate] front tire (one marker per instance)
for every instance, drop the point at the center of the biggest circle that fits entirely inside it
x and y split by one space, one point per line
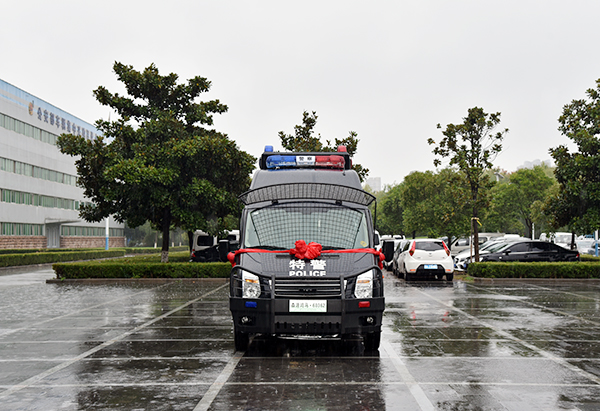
372 341
449 277
241 340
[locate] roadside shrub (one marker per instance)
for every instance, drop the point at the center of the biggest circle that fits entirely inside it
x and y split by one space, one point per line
9 260
140 269
12 257
584 269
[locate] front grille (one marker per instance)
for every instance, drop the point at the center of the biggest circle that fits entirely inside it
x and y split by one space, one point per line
307 287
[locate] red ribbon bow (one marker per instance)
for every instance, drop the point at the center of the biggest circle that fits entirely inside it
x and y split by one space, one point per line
308 251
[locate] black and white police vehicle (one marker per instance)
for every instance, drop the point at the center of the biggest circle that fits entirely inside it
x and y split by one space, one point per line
306 266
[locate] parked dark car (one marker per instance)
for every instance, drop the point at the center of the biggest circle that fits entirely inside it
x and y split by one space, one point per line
531 250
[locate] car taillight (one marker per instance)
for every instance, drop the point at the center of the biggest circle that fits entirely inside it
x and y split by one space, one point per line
412 248
446 248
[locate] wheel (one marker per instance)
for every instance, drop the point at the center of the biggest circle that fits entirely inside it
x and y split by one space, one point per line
372 341
449 277
241 340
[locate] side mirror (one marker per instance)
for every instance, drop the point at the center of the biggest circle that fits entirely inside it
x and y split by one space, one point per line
376 239
223 250
388 250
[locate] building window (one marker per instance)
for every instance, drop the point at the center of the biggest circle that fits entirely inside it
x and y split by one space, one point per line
30 170
19 197
78 231
21 229
28 130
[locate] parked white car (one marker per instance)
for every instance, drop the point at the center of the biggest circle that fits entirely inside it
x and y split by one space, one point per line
562 239
425 258
464 243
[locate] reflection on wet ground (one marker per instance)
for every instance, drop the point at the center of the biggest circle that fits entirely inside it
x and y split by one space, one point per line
169 346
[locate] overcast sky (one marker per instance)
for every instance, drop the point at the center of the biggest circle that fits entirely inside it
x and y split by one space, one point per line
388 70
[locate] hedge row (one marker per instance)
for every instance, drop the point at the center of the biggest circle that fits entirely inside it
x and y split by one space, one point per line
47 256
584 269
140 269
9 260
43 250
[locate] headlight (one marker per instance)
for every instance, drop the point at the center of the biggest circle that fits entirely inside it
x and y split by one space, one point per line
364 285
250 285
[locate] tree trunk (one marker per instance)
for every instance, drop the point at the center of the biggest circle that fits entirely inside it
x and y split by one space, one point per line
166 225
475 225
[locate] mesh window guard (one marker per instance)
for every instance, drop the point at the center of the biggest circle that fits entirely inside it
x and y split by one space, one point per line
331 226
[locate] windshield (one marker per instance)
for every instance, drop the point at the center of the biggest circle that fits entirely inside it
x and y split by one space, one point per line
429 245
499 247
333 227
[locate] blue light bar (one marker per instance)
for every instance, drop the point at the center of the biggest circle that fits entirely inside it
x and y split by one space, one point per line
268 149
277 161
251 304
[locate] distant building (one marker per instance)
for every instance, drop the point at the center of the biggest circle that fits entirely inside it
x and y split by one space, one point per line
374 183
39 199
537 162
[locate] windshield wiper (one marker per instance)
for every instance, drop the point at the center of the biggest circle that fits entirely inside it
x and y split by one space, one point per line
267 247
330 247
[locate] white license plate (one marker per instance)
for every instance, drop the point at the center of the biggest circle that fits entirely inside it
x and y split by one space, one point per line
308 306
431 266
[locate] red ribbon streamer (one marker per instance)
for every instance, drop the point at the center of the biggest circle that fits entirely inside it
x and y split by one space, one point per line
308 251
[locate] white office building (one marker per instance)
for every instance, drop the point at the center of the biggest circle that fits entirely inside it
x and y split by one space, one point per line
39 199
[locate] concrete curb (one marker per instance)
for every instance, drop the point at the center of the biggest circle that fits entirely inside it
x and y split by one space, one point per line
102 281
484 280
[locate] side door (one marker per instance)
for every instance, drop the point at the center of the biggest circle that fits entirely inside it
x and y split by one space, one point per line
542 251
517 252
403 255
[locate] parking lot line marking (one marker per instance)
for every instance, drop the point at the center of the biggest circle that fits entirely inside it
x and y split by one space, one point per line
508 335
552 310
33 326
414 387
36 378
216 386
311 383
589 297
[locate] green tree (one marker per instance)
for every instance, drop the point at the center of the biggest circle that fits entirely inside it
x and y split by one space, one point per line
434 203
157 162
471 146
304 140
577 202
389 211
519 198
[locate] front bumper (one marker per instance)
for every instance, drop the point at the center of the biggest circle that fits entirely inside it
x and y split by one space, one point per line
272 316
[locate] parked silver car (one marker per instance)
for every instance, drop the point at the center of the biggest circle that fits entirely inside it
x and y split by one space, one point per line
463 258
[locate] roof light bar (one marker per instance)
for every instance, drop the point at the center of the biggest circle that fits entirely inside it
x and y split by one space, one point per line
281 161
339 160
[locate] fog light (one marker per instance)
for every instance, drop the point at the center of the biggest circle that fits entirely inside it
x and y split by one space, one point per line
244 320
370 320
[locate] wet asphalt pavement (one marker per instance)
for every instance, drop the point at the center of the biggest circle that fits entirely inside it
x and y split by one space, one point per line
169 346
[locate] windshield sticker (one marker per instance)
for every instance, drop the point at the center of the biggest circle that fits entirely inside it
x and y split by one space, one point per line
297 268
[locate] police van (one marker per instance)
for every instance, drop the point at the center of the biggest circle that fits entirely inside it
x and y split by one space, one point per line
306 265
